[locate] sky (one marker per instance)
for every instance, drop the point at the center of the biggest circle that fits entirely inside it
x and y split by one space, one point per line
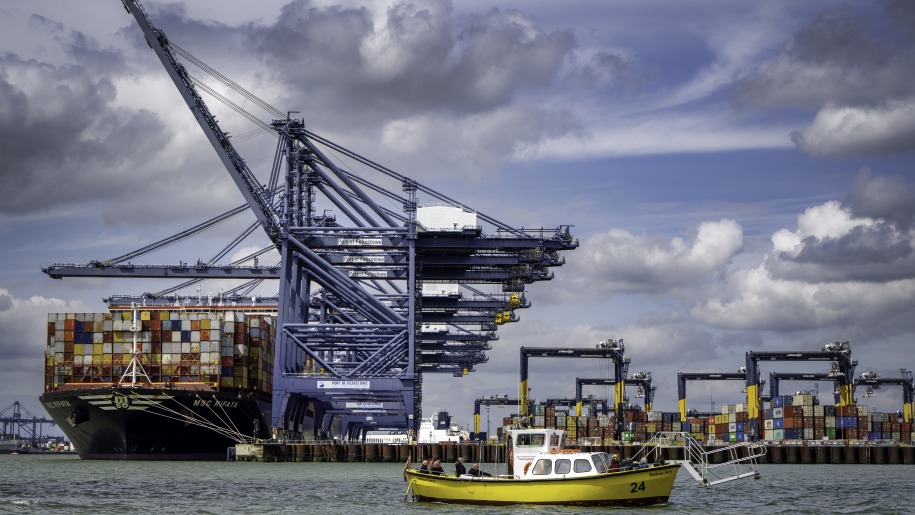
739 174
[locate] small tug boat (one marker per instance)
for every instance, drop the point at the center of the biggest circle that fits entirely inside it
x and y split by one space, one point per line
544 472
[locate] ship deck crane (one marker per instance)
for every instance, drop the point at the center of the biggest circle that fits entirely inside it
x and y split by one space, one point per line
874 382
344 338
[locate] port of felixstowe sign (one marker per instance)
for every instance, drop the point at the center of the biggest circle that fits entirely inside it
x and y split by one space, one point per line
349 385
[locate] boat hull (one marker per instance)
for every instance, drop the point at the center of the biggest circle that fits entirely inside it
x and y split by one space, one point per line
111 423
640 487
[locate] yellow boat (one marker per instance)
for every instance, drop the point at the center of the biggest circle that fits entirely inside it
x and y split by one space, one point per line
545 473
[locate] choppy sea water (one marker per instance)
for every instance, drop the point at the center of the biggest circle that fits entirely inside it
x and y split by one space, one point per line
66 484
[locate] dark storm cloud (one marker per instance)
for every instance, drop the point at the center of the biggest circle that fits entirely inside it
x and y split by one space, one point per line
61 138
79 47
832 60
882 197
418 59
871 254
861 80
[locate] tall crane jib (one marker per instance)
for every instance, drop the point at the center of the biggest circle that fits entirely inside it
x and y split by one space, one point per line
370 298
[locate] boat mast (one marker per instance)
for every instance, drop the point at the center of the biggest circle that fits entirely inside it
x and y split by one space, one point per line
135 368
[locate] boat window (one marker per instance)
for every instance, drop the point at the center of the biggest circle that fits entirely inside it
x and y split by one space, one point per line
582 465
542 467
563 466
530 440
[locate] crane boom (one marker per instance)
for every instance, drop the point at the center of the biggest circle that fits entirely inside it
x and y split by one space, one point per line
255 194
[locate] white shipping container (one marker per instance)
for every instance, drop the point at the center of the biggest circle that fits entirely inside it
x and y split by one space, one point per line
445 218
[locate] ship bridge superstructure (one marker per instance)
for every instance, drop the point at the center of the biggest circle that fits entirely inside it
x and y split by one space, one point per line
381 278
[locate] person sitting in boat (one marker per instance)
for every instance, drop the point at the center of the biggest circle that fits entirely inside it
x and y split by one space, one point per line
436 468
614 464
459 468
424 467
476 472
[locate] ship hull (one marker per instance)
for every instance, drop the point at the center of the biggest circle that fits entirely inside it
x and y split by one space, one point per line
640 487
110 423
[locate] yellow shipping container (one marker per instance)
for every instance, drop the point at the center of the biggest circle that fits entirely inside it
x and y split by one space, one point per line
205 323
78 348
144 315
96 348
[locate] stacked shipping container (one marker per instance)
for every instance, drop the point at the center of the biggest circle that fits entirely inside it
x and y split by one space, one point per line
788 418
224 349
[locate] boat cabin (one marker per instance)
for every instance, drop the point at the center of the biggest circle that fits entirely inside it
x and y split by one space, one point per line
540 453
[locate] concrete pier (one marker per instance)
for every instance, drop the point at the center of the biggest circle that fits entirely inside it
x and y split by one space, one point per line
496 453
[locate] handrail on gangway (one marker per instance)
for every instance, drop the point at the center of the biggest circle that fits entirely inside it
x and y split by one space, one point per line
708 467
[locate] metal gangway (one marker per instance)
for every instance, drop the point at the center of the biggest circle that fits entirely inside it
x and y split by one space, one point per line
708 467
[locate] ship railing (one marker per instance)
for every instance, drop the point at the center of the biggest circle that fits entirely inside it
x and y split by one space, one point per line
708 466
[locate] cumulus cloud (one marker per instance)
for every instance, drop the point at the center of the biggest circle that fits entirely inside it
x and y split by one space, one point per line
23 323
833 243
848 130
836 267
756 300
619 261
861 85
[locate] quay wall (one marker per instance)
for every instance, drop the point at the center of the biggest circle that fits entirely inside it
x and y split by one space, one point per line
835 453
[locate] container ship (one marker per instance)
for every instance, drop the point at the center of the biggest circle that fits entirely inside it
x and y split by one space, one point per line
161 383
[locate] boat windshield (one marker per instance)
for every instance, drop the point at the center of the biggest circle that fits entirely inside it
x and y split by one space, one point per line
599 462
530 440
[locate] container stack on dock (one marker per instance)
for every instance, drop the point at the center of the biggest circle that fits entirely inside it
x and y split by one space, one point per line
728 426
797 418
787 418
224 349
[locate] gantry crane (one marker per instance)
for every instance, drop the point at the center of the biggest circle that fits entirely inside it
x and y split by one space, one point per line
642 380
873 382
493 400
19 421
606 349
843 369
356 325
683 377
776 377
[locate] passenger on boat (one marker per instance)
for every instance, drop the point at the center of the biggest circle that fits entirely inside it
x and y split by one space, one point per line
424 467
476 472
614 464
459 468
436 468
